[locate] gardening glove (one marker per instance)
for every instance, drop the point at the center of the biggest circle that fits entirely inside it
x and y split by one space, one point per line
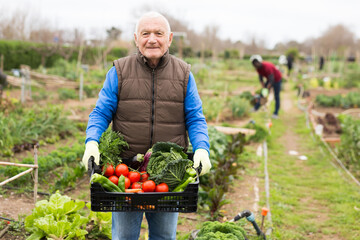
202 156
265 92
91 149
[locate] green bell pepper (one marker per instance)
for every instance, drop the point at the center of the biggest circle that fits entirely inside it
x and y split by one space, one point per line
105 183
121 183
181 187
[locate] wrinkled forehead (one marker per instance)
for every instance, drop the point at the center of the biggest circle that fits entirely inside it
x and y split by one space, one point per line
154 24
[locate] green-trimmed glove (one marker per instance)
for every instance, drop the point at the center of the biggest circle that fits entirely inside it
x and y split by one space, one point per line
265 92
202 156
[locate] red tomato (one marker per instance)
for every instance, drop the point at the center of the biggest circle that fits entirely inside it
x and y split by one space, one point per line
149 186
162 187
136 185
134 177
144 176
114 179
122 169
127 183
109 170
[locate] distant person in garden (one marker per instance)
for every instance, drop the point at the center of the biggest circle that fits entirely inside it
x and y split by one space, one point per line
290 61
150 96
273 80
321 63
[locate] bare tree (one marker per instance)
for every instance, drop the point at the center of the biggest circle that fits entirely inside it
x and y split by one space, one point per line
15 27
113 33
336 38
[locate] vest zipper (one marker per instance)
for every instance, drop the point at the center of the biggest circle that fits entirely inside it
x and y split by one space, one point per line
152 107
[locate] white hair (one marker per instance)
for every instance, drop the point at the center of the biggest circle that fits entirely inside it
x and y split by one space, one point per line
153 15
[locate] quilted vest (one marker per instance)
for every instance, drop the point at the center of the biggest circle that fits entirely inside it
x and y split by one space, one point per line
151 102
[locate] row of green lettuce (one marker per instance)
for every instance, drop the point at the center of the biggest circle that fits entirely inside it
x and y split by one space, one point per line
21 128
349 100
62 218
349 149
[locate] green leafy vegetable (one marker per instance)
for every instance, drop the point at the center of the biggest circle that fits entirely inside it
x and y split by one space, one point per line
173 174
168 164
111 145
221 231
165 147
260 134
102 221
160 158
57 218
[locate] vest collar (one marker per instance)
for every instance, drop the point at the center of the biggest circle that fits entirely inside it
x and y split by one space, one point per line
162 63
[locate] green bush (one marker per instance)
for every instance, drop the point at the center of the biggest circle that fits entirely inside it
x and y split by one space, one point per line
260 134
116 53
20 52
91 90
63 68
212 106
31 125
39 95
231 54
352 99
240 107
349 150
351 79
66 93
17 52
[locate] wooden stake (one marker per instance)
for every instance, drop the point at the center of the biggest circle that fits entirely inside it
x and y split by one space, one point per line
2 63
79 57
2 233
16 176
18 164
35 173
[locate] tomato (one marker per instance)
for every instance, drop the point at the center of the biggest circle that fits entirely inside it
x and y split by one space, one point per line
135 185
162 187
149 186
109 170
134 176
127 183
114 179
122 169
144 176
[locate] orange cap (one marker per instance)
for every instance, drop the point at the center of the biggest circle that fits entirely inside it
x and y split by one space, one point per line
264 211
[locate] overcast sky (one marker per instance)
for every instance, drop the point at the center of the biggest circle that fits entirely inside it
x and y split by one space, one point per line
272 21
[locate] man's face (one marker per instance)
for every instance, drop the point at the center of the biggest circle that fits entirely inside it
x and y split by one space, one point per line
152 38
256 64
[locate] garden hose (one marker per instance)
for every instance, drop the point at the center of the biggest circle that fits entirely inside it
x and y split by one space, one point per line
251 218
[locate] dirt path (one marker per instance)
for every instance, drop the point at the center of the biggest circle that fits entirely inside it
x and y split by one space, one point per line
302 192
290 140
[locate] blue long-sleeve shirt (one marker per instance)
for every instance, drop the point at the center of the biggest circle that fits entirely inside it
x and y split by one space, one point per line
106 105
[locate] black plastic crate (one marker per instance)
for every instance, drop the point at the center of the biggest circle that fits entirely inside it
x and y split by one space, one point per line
103 201
186 201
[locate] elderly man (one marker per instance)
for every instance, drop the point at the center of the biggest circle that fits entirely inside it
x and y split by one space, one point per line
150 96
273 77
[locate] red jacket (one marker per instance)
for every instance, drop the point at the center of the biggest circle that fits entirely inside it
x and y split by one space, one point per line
267 69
